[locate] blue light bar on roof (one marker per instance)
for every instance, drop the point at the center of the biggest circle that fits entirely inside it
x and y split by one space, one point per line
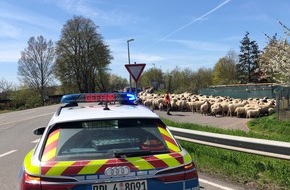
124 98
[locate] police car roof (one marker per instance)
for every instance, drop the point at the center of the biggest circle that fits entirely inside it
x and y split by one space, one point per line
90 111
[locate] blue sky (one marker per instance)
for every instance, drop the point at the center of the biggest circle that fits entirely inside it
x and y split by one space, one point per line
167 33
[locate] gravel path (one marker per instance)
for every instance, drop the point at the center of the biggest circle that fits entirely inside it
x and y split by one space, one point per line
221 122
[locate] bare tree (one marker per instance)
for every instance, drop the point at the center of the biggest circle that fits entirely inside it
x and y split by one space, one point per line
35 67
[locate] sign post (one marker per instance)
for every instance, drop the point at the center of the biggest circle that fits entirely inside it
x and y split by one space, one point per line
135 71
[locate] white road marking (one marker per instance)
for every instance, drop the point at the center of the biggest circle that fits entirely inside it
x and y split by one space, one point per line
27 112
26 118
35 141
7 153
214 184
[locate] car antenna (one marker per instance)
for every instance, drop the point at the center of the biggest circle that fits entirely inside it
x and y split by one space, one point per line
106 106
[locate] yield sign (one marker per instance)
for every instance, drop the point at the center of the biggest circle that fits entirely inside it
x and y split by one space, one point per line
135 70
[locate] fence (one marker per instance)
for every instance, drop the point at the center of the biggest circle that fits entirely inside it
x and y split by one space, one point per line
244 91
282 102
269 148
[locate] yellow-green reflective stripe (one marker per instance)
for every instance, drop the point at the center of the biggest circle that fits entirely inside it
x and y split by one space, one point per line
140 163
29 166
164 132
187 158
172 146
52 138
50 154
170 161
59 168
92 167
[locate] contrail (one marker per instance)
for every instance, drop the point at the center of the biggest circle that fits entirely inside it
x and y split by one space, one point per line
193 21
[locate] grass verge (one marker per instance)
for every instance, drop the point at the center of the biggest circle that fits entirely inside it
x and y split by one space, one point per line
254 171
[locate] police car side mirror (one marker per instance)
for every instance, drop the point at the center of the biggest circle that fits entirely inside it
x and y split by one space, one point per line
39 131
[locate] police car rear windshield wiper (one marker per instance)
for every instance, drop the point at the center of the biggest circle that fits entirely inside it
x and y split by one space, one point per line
125 154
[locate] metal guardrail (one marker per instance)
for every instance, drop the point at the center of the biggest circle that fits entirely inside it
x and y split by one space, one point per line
269 148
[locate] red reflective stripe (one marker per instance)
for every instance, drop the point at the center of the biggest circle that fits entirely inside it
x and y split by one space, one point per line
49 147
45 167
109 163
124 162
178 157
75 168
169 139
155 162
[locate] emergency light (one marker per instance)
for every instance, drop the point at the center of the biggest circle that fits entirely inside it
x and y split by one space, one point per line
123 98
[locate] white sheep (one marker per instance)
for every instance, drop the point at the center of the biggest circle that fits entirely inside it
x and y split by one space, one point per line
253 113
205 108
196 105
265 107
271 111
216 109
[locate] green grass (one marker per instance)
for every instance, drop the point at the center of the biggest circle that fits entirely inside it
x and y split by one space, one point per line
257 172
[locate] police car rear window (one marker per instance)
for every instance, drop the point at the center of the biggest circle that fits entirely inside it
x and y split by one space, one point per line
104 139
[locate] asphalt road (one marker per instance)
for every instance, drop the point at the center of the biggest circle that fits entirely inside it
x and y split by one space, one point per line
16 139
219 121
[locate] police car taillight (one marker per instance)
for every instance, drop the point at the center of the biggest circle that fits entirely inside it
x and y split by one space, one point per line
178 174
124 98
29 182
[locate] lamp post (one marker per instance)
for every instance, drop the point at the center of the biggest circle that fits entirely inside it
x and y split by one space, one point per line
130 78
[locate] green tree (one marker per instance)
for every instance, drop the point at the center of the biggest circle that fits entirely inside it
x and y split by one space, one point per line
153 77
82 57
275 59
6 88
202 78
225 70
117 83
248 60
187 80
35 67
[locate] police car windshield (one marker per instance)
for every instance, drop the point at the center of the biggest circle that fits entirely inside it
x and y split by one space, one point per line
103 139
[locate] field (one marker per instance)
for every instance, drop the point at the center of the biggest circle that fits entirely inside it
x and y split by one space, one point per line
253 171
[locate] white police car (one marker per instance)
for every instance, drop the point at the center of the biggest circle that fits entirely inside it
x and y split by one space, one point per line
105 145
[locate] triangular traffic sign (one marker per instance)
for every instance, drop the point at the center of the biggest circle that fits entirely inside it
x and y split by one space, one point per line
135 70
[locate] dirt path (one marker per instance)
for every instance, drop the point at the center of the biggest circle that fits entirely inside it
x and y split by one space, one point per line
221 122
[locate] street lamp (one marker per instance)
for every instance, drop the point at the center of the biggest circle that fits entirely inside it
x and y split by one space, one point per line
130 78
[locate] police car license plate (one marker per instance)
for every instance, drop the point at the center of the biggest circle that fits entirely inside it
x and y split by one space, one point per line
130 185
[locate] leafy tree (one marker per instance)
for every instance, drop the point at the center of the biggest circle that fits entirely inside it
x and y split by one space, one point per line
225 70
248 60
25 98
153 77
6 88
117 83
275 60
82 57
202 78
187 80
35 67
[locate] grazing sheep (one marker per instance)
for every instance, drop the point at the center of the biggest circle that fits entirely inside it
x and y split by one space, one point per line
240 111
216 109
234 105
271 111
205 108
196 105
265 107
253 113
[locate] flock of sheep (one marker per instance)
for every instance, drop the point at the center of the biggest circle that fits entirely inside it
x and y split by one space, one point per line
210 105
